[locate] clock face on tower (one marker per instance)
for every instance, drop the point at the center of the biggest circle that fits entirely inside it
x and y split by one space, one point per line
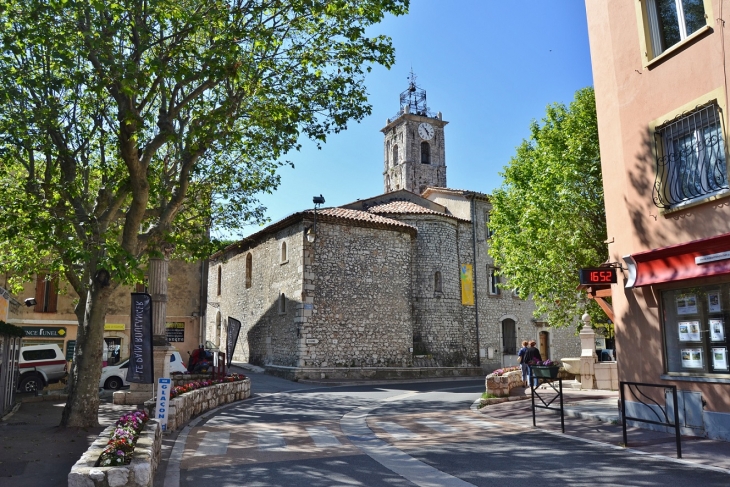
425 130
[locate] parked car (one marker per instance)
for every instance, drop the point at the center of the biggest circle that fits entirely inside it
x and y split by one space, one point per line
115 376
40 365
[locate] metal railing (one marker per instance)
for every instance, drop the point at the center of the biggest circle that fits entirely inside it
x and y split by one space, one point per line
635 390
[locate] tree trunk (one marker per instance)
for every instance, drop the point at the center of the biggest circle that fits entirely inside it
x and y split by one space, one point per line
82 405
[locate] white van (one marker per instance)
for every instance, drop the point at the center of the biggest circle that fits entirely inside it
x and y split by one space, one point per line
115 376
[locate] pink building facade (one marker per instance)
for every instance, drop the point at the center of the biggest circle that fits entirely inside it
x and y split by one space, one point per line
660 76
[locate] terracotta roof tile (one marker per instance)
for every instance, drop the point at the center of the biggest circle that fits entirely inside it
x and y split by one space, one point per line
402 207
357 215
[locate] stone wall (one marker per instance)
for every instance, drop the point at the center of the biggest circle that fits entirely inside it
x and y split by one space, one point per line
502 385
357 280
268 332
139 473
193 403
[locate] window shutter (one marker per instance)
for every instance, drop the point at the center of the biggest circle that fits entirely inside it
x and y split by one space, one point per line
52 296
40 285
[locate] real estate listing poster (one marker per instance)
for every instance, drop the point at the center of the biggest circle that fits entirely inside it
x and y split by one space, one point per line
687 304
689 331
719 359
713 302
692 358
717 330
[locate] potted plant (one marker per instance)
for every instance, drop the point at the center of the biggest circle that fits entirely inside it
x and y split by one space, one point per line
547 369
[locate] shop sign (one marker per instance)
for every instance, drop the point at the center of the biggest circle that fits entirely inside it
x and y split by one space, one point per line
163 397
70 349
45 331
115 327
704 259
175 332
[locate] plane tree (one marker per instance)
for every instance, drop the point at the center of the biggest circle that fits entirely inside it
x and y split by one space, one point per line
128 127
548 217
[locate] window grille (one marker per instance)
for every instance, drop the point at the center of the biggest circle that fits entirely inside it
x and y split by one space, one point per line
690 157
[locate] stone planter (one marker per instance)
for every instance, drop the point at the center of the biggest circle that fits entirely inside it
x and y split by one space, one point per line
139 473
501 385
186 406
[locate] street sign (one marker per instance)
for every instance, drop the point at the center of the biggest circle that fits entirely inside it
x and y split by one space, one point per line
163 399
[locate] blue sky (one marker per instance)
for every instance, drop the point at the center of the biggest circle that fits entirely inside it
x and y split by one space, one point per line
489 66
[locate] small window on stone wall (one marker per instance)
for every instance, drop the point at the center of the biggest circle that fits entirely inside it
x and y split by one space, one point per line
249 262
282 303
437 283
220 272
493 280
395 155
284 254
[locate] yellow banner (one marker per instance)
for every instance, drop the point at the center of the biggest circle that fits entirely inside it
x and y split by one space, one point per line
467 285
114 327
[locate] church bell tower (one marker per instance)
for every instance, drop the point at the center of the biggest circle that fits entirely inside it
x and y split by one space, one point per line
415 154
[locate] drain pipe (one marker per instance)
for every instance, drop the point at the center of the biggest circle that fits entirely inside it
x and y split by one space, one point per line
474 270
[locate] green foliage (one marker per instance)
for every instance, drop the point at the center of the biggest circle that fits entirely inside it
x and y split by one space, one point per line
11 330
548 216
127 124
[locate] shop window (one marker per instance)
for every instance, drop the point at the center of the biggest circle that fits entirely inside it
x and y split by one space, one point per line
46 294
695 330
249 263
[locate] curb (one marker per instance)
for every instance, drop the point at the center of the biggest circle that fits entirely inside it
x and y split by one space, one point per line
12 411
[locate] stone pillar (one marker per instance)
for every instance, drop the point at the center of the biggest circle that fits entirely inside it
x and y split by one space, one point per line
158 272
588 356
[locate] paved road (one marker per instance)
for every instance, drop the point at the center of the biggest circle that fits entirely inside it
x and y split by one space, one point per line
294 434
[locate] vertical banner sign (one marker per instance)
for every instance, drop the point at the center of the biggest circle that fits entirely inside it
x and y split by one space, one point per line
140 368
467 285
163 400
234 328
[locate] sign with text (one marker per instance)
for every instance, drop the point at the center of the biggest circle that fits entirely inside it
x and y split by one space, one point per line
45 331
163 400
234 328
141 367
467 285
114 327
597 276
175 332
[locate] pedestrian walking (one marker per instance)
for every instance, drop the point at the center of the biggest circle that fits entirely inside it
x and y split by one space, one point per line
523 364
532 356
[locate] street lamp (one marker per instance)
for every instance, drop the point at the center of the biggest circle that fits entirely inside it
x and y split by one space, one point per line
312 231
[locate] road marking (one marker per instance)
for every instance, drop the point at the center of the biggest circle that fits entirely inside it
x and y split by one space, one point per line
323 437
353 424
438 426
397 431
271 440
476 422
215 443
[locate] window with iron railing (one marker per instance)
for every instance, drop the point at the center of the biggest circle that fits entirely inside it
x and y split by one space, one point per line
691 161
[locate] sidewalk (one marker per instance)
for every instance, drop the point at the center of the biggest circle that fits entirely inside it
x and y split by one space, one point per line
593 417
35 451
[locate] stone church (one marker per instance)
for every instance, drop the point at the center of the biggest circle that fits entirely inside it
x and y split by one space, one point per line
397 285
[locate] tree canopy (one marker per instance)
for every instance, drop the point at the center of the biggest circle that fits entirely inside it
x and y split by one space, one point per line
548 216
131 126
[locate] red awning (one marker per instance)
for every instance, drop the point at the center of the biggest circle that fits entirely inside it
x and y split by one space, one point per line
699 258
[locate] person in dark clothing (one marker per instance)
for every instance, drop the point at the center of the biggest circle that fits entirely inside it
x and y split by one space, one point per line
532 356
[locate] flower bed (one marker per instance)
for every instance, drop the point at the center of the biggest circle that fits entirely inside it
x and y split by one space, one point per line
192 399
120 449
102 466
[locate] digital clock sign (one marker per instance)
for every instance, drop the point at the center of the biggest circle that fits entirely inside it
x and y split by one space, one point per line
600 275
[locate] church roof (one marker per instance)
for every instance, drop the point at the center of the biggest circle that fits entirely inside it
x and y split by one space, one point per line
462 192
358 216
403 207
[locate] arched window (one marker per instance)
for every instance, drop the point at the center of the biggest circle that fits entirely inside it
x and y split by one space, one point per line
249 262
220 272
437 283
387 153
425 153
284 255
509 337
282 303
395 155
